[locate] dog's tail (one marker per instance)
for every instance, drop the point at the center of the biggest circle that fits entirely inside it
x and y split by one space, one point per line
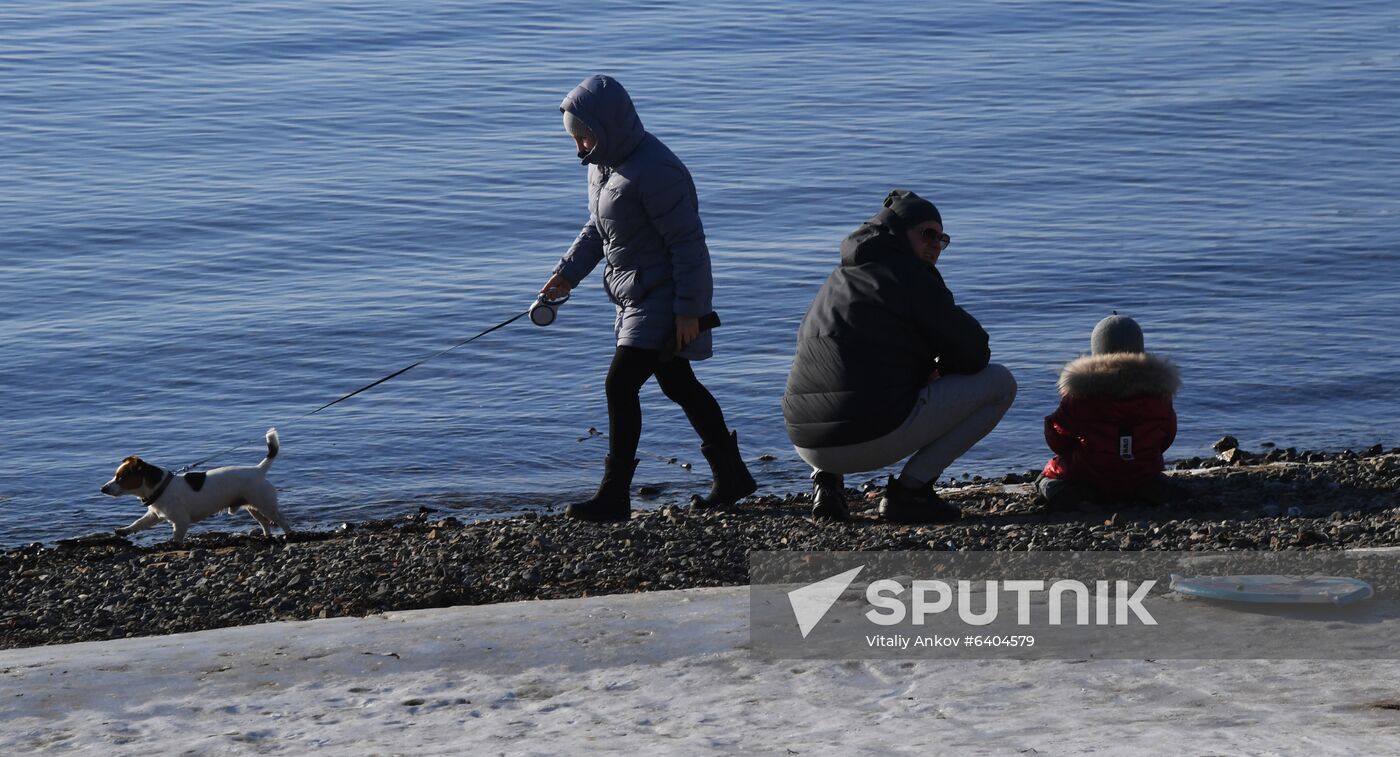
273 445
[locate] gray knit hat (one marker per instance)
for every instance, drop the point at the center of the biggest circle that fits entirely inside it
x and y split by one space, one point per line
1116 333
575 126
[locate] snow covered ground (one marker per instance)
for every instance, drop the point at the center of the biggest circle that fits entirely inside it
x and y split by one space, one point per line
664 672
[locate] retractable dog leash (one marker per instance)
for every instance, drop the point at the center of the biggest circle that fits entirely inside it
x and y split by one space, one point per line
537 311
542 312
551 304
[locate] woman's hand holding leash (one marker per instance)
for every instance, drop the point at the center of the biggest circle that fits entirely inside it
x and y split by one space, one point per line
557 287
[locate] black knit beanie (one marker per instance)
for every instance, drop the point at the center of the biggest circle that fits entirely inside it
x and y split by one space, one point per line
911 209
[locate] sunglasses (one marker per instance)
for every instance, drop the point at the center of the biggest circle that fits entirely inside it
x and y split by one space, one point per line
934 235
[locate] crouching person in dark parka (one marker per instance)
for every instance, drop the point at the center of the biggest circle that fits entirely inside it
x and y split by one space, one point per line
888 367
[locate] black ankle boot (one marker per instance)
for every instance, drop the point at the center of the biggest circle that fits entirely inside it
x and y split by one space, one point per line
921 505
732 479
613 500
829 497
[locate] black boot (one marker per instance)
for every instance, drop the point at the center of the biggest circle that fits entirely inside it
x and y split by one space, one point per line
829 497
921 505
732 479
613 500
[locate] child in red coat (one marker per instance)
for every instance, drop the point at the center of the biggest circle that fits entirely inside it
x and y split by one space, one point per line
1114 422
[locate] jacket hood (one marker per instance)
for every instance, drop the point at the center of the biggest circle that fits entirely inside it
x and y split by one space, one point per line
601 103
1120 374
880 238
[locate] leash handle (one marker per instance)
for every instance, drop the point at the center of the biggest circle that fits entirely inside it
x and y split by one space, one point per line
544 309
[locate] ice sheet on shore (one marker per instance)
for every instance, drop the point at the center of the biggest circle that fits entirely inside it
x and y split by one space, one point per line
664 671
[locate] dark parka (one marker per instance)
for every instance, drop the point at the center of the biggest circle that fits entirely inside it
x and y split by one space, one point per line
643 220
880 327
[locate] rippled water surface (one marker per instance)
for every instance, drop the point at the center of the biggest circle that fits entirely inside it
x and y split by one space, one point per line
217 217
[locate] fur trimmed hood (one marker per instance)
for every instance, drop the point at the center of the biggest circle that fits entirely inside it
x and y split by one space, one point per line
1120 375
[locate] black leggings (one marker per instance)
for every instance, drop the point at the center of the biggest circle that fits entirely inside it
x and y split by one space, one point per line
631 367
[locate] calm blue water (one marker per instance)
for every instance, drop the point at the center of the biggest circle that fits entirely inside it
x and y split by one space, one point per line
217 217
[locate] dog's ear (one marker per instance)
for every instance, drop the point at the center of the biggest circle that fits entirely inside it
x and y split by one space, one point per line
126 470
151 474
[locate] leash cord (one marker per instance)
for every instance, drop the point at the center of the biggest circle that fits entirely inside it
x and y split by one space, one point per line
369 386
402 371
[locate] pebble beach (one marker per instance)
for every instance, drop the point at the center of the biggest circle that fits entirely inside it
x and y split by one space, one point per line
102 587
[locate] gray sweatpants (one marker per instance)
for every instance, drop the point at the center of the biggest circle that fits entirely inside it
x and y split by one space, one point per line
951 414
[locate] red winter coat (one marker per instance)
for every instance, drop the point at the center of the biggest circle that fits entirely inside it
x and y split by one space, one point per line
1114 422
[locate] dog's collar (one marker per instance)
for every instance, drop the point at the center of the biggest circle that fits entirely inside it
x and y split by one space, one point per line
160 489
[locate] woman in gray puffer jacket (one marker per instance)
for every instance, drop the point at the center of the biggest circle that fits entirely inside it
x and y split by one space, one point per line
644 223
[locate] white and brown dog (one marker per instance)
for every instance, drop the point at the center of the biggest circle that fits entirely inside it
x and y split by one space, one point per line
187 498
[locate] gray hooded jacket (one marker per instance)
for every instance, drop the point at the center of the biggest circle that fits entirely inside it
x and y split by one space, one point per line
643 220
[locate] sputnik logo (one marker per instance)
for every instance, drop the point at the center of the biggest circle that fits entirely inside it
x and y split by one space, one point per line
811 602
